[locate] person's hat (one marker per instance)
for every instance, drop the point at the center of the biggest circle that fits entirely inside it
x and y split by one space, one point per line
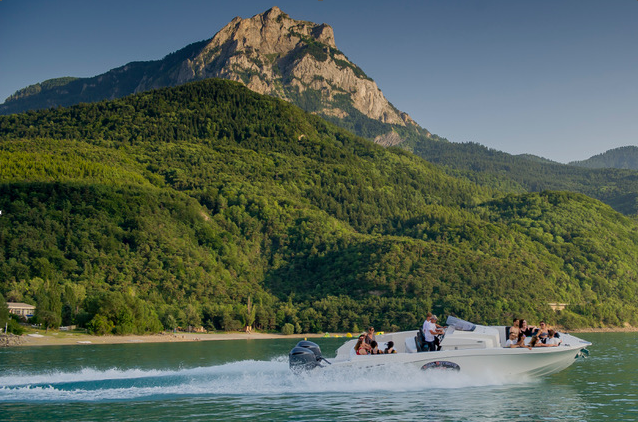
433 317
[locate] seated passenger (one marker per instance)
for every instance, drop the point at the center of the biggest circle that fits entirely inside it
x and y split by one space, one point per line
361 348
369 336
535 342
553 339
515 328
543 333
374 348
512 340
517 341
525 329
389 348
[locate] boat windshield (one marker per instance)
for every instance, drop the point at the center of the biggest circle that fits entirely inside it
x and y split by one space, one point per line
460 324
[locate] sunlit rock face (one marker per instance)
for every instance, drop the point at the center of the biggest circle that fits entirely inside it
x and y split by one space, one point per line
290 59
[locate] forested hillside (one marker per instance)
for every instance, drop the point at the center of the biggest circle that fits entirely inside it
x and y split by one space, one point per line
488 167
210 204
611 177
618 158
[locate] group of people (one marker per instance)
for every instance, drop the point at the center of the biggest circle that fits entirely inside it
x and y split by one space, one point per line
541 336
367 344
520 335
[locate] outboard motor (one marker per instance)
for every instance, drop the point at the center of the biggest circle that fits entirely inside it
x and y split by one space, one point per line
305 356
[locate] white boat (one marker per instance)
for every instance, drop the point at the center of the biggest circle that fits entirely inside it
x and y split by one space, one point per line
465 347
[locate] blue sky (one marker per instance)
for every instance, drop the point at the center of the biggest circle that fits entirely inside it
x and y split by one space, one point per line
554 78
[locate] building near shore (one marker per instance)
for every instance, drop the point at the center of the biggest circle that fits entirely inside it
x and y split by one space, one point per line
21 309
558 306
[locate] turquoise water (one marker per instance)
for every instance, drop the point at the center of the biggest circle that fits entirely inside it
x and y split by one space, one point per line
244 380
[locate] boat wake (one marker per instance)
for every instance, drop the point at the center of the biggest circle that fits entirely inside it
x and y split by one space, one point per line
248 377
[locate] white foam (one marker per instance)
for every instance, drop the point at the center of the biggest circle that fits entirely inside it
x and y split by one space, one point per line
247 377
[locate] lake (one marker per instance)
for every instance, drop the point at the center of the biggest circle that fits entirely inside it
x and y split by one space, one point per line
250 379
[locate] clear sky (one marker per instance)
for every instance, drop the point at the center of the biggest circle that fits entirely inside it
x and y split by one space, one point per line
554 78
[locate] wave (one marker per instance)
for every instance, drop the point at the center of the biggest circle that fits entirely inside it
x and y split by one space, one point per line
248 377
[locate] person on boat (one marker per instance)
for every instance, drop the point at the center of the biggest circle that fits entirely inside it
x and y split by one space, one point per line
535 342
361 348
426 323
543 333
512 340
374 348
525 329
389 348
552 340
430 330
515 328
517 340
428 318
369 336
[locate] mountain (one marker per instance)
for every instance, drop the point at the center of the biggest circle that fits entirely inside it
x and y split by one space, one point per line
618 158
179 206
270 53
298 61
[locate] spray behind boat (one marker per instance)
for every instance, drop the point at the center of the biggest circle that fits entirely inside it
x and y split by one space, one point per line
305 356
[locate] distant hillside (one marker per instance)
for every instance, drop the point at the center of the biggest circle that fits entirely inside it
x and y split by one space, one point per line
181 206
532 157
618 158
510 173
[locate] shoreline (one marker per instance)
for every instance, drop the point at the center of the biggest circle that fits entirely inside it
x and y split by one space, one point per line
605 330
61 338
57 338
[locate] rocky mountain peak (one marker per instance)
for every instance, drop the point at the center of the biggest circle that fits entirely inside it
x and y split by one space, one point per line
270 53
295 60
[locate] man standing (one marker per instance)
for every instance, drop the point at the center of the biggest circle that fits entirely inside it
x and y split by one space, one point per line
430 330
427 321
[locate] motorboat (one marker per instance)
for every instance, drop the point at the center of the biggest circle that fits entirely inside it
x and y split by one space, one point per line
465 347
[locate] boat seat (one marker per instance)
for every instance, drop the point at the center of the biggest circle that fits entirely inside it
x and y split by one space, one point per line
419 340
410 345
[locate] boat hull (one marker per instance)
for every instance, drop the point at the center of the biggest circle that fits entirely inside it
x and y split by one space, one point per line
502 362
476 353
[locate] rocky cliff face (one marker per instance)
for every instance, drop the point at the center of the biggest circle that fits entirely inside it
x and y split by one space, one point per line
295 60
270 53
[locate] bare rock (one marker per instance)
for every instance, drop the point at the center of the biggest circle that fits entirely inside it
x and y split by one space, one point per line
276 55
388 139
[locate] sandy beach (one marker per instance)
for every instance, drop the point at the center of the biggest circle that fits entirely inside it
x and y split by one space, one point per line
59 338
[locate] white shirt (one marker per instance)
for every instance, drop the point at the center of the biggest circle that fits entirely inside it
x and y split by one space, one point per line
552 341
509 343
427 326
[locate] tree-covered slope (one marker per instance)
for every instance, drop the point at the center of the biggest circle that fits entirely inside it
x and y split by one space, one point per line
617 158
488 167
179 206
611 177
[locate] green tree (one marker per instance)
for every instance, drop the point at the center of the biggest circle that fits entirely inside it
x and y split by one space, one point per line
100 325
288 329
193 319
49 305
251 312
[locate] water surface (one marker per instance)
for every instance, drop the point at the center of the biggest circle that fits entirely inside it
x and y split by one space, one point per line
250 379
